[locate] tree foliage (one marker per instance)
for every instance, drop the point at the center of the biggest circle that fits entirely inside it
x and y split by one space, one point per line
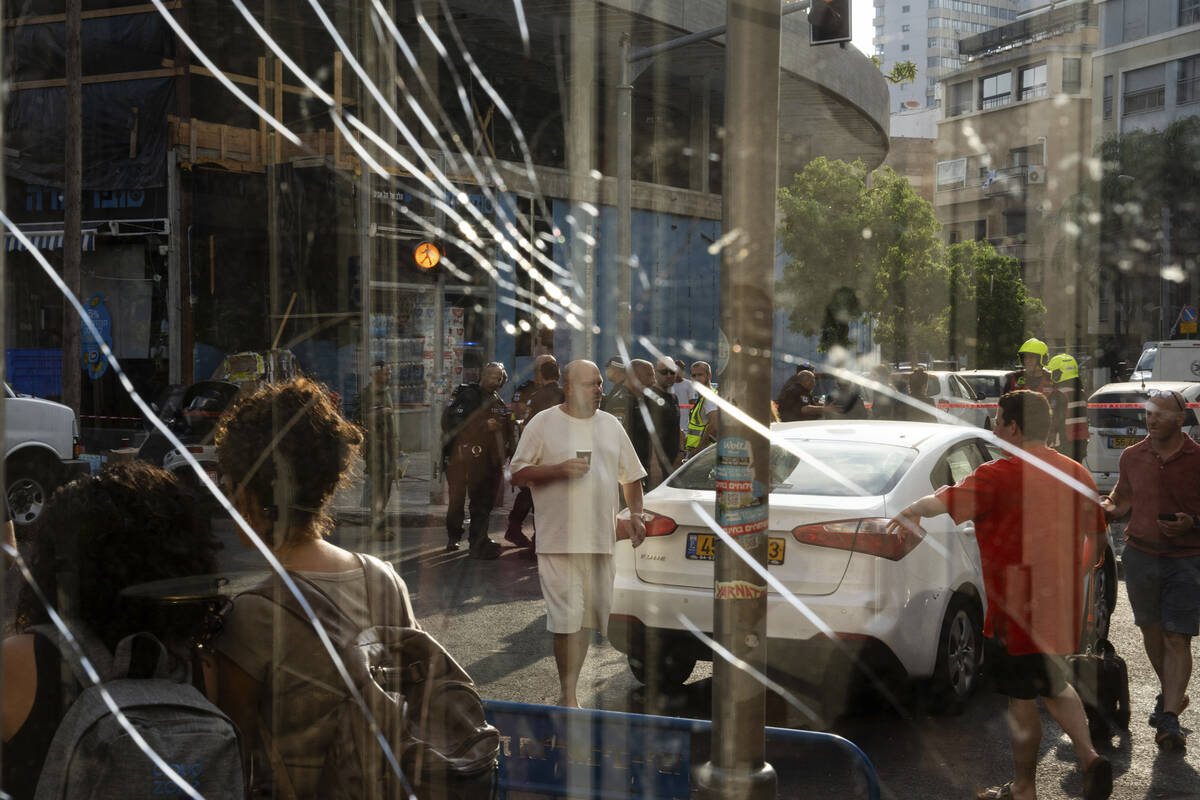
867 244
991 312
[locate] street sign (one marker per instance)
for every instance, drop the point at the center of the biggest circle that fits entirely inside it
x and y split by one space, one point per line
1187 319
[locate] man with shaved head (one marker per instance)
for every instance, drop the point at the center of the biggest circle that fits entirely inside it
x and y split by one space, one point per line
573 456
665 407
796 401
704 417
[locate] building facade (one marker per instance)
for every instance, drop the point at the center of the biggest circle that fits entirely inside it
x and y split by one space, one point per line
1146 71
1012 145
927 32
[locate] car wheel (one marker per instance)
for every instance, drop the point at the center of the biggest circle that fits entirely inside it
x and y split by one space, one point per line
960 654
660 662
30 484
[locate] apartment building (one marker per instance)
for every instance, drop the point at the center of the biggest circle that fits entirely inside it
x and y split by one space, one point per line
1012 153
927 32
1146 70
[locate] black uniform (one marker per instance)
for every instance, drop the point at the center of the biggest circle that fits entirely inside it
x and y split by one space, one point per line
474 457
623 404
664 410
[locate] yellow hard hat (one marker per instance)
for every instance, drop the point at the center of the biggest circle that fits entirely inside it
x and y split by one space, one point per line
1062 368
1036 346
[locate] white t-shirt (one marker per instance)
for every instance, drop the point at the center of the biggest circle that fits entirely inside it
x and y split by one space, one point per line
578 515
686 394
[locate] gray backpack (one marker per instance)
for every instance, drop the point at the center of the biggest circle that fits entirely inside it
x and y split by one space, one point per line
425 704
93 756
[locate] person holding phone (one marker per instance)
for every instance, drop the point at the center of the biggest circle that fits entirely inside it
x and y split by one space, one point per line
1160 484
573 457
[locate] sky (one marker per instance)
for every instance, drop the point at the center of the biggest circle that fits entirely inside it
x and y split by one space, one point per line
861 14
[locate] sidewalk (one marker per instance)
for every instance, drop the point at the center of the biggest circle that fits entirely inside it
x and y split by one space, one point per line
416 501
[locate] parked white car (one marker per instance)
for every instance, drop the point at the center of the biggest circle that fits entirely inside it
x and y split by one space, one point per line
902 605
988 384
41 452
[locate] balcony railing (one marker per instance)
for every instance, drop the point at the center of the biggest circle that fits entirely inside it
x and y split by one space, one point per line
996 100
1023 31
1143 101
1030 92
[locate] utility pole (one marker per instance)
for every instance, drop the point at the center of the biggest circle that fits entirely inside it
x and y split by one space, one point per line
752 47
72 201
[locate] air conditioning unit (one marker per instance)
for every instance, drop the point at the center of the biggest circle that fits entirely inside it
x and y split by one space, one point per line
1035 175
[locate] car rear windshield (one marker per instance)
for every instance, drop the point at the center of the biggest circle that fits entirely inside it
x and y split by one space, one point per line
834 469
1102 414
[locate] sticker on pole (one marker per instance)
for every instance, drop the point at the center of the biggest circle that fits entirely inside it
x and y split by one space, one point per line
740 507
738 590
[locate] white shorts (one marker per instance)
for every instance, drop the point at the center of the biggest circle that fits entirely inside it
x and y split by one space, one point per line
578 589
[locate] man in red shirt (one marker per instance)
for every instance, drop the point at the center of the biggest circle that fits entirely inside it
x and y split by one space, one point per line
1033 513
1160 482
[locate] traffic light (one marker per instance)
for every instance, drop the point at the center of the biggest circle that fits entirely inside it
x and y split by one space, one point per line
829 21
426 256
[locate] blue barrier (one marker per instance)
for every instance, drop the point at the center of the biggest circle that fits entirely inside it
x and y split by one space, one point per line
560 752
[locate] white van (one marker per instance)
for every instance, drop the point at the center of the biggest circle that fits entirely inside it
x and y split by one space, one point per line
41 452
1177 361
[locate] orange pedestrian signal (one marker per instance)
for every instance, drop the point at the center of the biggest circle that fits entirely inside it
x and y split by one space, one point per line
427 255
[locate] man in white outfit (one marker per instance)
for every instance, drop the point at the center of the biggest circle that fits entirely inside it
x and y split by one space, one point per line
573 456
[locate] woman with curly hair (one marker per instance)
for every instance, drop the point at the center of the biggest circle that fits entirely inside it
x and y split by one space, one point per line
284 451
131 524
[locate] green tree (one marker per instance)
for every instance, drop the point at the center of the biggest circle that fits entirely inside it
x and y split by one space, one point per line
991 311
861 243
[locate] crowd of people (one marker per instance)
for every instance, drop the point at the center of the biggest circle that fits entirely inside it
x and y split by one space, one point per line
575 453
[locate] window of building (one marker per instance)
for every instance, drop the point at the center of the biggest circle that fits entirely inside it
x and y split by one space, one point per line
1033 81
980 230
960 99
1143 90
932 43
904 28
903 48
930 100
1108 96
1188 90
878 49
904 9
1028 155
996 90
954 237
1014 222
1189 12
1072 80
952 174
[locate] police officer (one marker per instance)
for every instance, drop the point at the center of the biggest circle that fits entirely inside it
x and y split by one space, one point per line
1032 375
478 436
1069 407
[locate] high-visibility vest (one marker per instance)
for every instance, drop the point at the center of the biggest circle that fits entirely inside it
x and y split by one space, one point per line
696 425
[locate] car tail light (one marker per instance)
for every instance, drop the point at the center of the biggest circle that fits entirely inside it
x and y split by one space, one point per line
196 451
76 448
869 536
656 525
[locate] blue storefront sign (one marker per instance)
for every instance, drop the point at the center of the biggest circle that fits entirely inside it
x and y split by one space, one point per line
93 360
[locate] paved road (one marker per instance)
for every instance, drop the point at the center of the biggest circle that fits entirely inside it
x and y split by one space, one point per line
491 617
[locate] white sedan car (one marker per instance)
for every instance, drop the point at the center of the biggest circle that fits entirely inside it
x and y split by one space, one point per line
901 606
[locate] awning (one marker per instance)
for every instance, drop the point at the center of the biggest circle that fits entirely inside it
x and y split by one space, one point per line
47 240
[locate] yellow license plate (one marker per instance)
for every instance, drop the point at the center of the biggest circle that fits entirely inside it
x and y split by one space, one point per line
703 547
1121 442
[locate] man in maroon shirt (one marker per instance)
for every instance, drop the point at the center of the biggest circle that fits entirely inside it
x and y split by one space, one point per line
1160 481
1033 513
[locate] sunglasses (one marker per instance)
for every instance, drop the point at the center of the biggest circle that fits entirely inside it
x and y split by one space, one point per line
1170 394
